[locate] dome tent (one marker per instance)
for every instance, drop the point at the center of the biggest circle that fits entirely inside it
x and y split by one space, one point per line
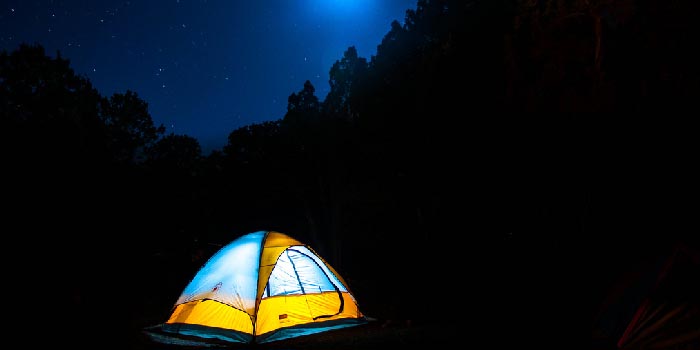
263 286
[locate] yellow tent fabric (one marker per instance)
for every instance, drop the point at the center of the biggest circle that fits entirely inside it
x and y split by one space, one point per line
264 286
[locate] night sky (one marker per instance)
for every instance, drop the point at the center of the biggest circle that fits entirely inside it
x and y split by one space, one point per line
205 67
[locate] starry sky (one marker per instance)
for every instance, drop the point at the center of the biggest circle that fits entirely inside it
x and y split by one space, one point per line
205 67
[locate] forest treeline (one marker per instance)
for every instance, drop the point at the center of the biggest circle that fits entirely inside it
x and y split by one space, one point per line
465 126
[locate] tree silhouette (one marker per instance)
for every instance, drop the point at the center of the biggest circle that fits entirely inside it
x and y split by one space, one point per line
47 111
345 76
175 153
392 49
303 108
129 126
252 143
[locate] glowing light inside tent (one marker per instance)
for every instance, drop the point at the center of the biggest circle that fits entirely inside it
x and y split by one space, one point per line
300 271
230 275
302 295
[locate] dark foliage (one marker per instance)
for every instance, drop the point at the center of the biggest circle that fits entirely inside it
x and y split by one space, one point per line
479 145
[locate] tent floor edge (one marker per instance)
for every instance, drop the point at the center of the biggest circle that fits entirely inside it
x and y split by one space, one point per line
195 335
309 329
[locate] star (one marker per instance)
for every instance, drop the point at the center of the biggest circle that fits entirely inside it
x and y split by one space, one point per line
139 49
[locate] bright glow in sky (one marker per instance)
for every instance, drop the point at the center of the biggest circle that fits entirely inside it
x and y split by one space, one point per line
344 7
